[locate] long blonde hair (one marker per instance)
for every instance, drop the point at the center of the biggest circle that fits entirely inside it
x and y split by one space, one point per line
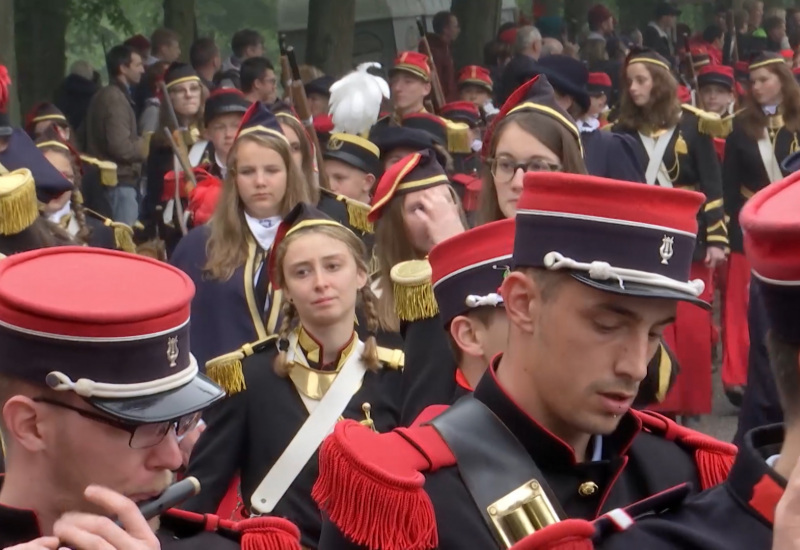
226 249
312 178
290 315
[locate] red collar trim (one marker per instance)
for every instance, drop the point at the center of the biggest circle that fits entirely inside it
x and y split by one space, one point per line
462 381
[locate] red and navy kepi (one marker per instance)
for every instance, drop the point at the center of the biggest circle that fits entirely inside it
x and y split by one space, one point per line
468 269
462 111
615 236
721 75
259 120
771 232
119 338
599 83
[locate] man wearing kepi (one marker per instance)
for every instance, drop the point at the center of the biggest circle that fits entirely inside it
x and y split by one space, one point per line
741 513
548 433
97 383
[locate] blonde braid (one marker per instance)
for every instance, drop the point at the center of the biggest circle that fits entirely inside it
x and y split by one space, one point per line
281 364
370 354
84 231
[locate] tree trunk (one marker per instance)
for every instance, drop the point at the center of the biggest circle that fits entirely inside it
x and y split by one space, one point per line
479 20
329 38
40 39
179 15
8 56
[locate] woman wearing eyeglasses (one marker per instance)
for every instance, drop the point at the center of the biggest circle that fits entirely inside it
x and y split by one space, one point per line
530 134
679 152
286 393
187 96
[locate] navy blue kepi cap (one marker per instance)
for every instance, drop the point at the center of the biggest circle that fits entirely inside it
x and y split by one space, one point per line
23 153
616 236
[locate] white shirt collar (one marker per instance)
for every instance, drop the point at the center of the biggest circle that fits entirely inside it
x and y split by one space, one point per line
772 460
588 125
264 230
56 217
770 110
223 168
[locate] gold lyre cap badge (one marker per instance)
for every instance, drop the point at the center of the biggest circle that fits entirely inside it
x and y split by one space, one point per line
665 250
172 351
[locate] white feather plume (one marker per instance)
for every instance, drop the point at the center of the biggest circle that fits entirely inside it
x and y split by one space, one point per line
356 99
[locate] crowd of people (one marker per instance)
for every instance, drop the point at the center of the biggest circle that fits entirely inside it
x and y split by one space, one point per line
431 307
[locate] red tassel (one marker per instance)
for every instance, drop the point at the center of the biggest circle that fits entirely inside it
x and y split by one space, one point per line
371 507
570 534
267 533
714 459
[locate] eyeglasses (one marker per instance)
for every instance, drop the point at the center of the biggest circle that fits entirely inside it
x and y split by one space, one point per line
143 436
504 168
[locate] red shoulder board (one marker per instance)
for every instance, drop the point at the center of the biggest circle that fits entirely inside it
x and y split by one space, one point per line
570 534
714 458
371 485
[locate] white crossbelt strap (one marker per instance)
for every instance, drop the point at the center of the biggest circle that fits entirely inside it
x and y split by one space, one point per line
767 153
310 435
656 172
196 152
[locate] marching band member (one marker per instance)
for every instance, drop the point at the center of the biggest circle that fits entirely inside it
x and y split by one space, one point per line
677 152
186 96
413 209
222 116
234 303
84 225
475 85
286 393
548 433
764 134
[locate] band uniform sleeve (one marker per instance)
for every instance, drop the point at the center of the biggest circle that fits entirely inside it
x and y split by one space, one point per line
710 184
732 185
218 453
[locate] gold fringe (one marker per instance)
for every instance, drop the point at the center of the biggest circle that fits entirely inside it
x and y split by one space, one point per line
18 207
357 216
227 374
458 138
108 174
154 248
413 303
711 124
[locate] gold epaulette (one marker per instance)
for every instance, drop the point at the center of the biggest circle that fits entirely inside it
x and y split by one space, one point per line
357 213
413 292
458 137
226 370
123 233
393 359
108 170
711 124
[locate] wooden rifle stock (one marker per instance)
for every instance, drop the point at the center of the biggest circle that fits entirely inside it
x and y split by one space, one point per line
436 85
693 73
300 103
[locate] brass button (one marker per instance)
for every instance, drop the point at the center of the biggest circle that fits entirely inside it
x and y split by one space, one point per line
587 489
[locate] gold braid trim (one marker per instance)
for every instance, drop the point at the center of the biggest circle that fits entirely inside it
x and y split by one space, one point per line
227 371
357 213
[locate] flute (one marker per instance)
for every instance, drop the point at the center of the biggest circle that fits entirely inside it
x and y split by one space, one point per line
174 495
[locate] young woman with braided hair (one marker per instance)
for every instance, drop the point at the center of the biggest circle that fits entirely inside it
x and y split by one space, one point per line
68 211
286 392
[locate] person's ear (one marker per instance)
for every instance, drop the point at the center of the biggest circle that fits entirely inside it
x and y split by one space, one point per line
23 418
465 335
369 181
523 300
427 88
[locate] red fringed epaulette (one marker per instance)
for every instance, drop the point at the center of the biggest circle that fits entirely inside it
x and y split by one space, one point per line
371 485
714 458
268 533
570 534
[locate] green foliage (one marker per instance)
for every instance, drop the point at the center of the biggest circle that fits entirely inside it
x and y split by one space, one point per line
97 25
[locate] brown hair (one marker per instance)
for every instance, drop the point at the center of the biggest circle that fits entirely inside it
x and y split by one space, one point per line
783 357
358 251
662 111
753 119
552 134
42 233
393 246
311 178
227 246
